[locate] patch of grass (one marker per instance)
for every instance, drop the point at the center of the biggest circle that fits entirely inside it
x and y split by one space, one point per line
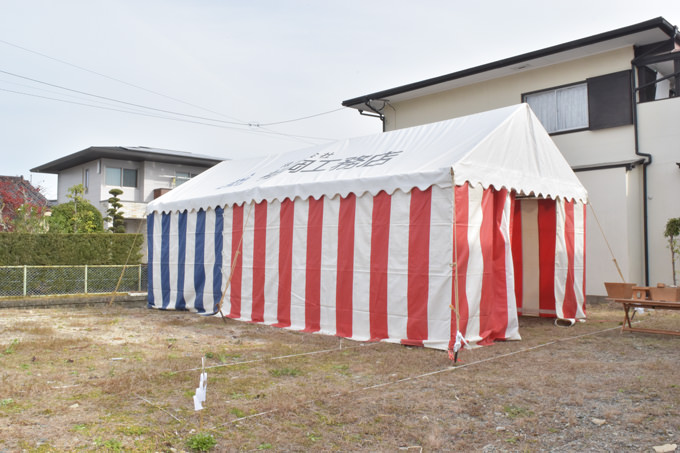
6 402
201 442
313 436
133 430
237 412
265 446
109 444
280 372
516 411
11 349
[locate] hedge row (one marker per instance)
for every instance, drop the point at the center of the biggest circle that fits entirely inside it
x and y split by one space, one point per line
18 249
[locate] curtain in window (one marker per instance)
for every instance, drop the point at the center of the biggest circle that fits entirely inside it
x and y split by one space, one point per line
544 106
572 107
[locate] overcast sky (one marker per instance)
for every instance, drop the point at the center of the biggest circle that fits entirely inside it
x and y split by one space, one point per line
247 62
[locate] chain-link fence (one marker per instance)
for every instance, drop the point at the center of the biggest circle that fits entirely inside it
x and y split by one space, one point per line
54 280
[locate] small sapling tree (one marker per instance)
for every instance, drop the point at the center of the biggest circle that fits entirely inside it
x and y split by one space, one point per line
672 232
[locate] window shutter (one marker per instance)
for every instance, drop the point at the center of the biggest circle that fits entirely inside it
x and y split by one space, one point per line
610 100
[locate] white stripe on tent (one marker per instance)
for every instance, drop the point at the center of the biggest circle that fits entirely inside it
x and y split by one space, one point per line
441 260
189 292
329 264
512 326
361 323
247 247
227 215
475 267
299 267
173 259
397 265
561 258
271 273
208 261
157 244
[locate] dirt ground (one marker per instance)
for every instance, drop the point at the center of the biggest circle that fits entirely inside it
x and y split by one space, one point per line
115 378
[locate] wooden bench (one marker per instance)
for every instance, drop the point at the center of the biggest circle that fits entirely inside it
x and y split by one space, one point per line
644 302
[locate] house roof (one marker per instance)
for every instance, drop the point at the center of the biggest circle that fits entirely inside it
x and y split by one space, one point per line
21 188
137 154
641 34
504 148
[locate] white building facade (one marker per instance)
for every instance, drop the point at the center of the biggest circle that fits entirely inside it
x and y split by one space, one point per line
143 174
611 103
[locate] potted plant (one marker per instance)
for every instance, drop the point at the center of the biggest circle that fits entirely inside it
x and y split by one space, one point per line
663 292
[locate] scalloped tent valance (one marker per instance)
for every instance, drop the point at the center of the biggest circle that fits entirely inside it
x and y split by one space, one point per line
504 148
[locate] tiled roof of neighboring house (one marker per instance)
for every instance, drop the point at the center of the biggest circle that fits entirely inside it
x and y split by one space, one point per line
19 187
137 154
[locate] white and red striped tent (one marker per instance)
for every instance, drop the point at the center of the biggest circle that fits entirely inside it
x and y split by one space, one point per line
408 236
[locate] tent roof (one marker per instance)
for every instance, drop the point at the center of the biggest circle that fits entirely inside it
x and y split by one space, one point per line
507 148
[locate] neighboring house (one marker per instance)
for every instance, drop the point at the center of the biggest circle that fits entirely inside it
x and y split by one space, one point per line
611 103
143 174
14 192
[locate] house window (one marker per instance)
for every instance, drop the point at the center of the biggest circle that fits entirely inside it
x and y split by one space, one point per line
86 179
122 177
561 109
182 176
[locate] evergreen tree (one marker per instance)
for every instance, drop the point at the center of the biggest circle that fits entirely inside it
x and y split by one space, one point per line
115 215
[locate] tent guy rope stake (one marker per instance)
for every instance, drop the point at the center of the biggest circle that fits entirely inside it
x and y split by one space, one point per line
199 396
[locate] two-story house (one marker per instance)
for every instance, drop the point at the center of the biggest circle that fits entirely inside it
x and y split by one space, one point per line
611 103
143 174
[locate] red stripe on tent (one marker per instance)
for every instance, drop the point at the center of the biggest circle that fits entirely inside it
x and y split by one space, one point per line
285 262
259 260
345 279
493 304
569 305
313 273
516 241
418 264
380 241
462 249
236 261
547 231
500 281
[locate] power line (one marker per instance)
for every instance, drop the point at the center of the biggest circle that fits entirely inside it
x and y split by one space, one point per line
115 79
238 121
122 102
133 112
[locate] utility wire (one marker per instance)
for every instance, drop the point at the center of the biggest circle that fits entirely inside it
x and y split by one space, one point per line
115 79
133 112
123 102
252 124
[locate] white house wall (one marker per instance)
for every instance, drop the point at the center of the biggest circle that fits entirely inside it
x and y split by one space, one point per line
615 193
660 136
502 92
614 201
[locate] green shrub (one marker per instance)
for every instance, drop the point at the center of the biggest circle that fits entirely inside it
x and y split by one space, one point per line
201 442
18 249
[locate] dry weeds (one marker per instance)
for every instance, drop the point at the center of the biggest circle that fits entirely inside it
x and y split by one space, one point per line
122 379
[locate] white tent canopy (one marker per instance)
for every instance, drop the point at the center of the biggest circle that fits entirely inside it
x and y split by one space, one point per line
504 148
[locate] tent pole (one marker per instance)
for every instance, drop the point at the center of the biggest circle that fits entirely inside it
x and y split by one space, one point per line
456 305
233 263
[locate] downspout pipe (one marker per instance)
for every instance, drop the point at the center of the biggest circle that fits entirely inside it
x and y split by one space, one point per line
645 164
